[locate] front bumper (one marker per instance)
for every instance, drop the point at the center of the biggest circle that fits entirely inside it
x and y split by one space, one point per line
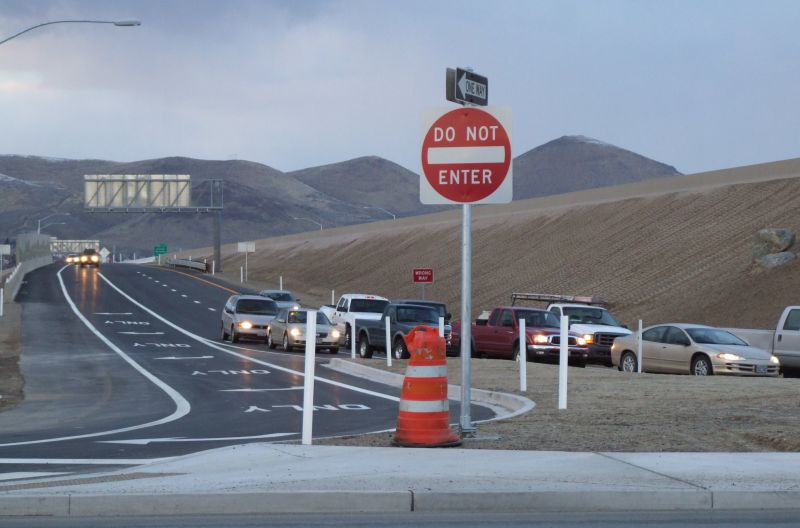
745 368
599 354
551 353
254 332
322 342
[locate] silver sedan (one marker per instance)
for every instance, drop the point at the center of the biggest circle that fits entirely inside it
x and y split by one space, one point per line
289 330
692 349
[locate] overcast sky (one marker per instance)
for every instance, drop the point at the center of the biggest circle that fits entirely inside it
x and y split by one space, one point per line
697 84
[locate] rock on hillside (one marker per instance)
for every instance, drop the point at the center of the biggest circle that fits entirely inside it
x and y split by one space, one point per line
573 163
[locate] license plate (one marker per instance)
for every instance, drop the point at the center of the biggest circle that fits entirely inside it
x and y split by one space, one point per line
761 369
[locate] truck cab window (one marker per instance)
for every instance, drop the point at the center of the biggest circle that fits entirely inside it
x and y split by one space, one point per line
792 321
507 319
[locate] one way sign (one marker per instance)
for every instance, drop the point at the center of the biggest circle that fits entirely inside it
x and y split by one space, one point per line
466 87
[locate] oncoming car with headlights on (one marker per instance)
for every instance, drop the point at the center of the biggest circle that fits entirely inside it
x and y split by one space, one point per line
247 316
692 349
89 257
289 330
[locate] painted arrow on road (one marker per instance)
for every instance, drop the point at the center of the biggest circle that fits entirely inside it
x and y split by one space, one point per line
146 441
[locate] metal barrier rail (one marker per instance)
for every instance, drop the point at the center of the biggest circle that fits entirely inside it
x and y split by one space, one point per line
184 263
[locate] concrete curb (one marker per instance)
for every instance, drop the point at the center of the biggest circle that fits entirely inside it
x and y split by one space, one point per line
392 501
504 404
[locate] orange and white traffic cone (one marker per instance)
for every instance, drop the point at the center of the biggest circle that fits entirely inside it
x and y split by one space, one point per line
424 418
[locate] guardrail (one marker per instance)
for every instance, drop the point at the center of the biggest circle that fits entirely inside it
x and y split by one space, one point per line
184 263
12 284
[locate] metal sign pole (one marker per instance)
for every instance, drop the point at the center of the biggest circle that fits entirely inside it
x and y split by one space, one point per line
245 266
466 319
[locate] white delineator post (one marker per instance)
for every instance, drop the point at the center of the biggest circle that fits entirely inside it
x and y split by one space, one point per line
563 362
353 342
2 300
308 382
333 297
523 357
213 267
241 273
388 342
280 282
441 327
639 348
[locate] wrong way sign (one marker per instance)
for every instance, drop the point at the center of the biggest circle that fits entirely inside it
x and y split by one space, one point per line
466 156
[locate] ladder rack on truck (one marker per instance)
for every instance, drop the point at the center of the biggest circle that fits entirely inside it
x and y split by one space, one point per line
592 300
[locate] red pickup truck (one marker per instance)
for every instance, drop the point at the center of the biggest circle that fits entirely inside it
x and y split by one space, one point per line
498 336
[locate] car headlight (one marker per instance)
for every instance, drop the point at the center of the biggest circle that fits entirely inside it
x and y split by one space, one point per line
335 334
589 338
295 332
95 258
540 339
84 258
727 356
581 341
247 325
296 307
774 360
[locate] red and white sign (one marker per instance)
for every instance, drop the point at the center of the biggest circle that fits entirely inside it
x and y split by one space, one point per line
466 157
423 275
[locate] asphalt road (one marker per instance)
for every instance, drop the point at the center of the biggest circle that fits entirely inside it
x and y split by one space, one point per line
124 364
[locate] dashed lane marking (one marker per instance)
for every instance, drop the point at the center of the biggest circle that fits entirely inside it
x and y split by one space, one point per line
202 280
213 309
196 302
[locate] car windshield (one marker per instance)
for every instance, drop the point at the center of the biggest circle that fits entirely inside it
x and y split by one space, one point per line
368 305
280 296
256 307
439 307
713 336
588 315
538 318
413 314
301 317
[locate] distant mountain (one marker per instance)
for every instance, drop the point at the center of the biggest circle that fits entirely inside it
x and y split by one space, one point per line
261 201
370 181
573 163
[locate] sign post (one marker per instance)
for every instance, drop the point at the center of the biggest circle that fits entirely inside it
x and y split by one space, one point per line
422 276
466 159
246 247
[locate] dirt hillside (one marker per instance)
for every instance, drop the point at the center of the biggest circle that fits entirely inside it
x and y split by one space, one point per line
672 249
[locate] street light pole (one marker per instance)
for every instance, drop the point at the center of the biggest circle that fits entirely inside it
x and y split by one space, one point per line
121 23
394 216
39 222
308 220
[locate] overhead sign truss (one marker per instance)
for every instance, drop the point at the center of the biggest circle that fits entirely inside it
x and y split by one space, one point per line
145 193
72 246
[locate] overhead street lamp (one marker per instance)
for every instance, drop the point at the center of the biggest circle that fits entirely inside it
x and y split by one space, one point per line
309 220
39 222
50 224
394 216
121 23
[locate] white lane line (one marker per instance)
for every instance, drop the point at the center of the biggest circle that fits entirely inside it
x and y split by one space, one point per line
197 302
141 333
157 280
172 289
29 474
213 309
113 313
183 295
187 357
164 285
212 344
260 390
145 441
182 406
88 461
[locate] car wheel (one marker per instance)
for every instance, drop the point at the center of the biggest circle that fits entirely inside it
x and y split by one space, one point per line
334 350
701 366
234 335
286 347
628 363
400 351
270 342
347 336
223 333
581 363
364 350
515 352
473 351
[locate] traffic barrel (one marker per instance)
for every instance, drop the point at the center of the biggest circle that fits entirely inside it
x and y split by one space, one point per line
424 418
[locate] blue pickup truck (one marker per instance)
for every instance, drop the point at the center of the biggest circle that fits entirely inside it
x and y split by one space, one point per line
371 334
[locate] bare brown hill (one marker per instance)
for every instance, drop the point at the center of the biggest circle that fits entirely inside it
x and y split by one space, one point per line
672 249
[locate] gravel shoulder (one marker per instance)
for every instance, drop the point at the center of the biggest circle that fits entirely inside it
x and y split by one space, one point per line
610 410
11 381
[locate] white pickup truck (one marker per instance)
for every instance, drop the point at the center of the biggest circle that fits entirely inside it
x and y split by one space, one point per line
352 306
586 317
783 342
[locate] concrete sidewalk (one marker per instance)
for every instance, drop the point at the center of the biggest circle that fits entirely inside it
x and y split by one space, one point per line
282 478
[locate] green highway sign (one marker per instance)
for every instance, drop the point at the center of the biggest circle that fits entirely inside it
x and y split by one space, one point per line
160 249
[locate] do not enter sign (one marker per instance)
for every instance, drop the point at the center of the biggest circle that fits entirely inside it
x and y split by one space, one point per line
466 157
